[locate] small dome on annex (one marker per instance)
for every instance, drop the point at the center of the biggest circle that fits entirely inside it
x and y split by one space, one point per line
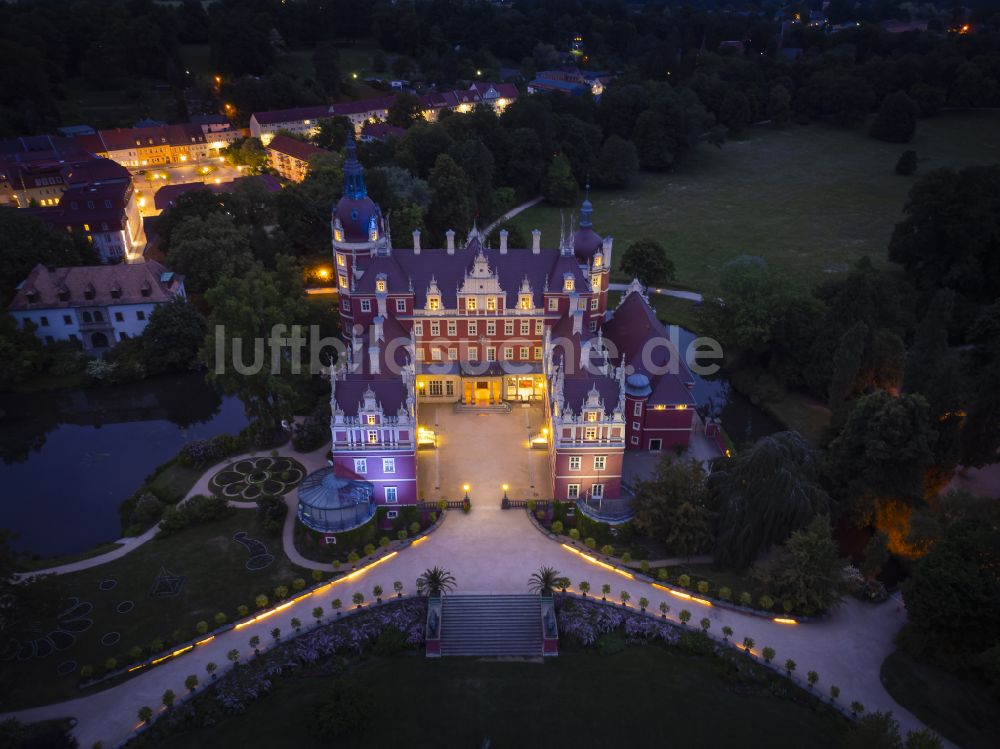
586 241
637 385
331 503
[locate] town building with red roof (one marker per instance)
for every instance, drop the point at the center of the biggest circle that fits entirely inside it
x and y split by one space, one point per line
290 156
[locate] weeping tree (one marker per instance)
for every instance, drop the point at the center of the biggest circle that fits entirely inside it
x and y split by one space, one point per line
763 495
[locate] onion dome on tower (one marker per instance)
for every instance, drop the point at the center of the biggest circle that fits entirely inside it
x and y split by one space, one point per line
356 217
586 241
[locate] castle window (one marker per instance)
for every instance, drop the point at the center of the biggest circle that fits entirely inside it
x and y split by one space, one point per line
595 283
491 327
591 415
590 433
526 301
341 261
418 328
553 304
508 327
342 281
569 284
470 304
380 285
491 353
372 436
524 353
538 353
360 465
508 352
388 465
366 305
539 327
600 462
436 354
491 303
572 491
452 328
452 354
574 463
473 327
433 302
473 354
371 419
400 305
525 327
597 491
435 328
594 303
598 261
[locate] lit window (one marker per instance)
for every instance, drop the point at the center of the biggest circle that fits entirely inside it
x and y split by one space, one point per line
371 419
553 304
573 491
420 354
526 301
436 354
600 462
360 465
390 495
538 353
590 433
372 436
380 285
569 284
86 227
470 304
539 327
433 302
598 261
388 465
491 303
595 283
473 353
342 281
341 261
574 463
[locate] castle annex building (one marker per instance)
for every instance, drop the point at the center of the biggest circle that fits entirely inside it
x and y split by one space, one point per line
481 327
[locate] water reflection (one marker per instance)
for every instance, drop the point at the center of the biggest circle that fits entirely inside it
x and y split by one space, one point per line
71 457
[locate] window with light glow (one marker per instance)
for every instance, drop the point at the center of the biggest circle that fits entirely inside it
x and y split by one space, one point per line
433 302
372 436
553 304
491 303
598 260
569 284
380 285
590 433
342 281
341 261
371 419
595 283
591 415
526 301
470 304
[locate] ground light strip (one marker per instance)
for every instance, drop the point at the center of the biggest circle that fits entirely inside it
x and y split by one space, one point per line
598 562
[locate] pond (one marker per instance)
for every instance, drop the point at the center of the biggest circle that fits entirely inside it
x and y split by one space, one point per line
70 457
742 420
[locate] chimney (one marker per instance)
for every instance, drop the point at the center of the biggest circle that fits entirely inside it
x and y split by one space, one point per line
503 241
536 241
607 251
373 362
450 236
416 241
578 321
378 331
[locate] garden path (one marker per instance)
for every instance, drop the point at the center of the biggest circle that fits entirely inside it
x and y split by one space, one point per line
495 551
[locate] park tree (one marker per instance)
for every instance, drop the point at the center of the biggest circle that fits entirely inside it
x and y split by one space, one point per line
883 452
671 506
750 303
404 110
332 133
762 495
646 259
21 352
928 369
656 145
451 198
303 209
392 187
419 150
249 153
897 119
476 162
951 597
209 249
525 167
847 360
948 238
980 437
245 310
325 61
617 163
735 112
172 337
26 242
806 570
560 184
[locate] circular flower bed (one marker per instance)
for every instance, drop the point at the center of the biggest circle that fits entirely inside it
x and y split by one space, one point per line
250 478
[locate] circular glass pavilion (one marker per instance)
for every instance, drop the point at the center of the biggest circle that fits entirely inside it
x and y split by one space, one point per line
330 503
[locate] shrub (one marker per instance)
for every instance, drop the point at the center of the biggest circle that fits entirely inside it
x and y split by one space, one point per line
242 610
590 542
745 599
748 644
584 587
234 656
401 535
643 603
201 628
857 708
200 453
220 619
390 641
766 602
335 604
557 526
626 558
608 550
664 609
442 505
296 623
156 645
703 586
198 510
369 549
834 692
662 574
684 616
317 576
531 505
134 653
727 632
384 541
210 668
358 599
145 714
110 664
353 557
725 593
280 592
705 623
767 653
644 567
625 596
276 633
684 581
605 589
255 644
147 510
261 601
414 528
812 677
907 163
398 588
789 666
317 613
298 584
86 672
191 682
168 698
574 534
377 592
343 709
312 432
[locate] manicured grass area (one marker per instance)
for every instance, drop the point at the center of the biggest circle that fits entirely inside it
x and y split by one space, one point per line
31 564
812 200
643 696
803 413
215 579
175 481
962 711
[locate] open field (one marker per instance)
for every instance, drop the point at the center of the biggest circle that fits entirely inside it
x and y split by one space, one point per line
812 200
639 697
960 710
215 578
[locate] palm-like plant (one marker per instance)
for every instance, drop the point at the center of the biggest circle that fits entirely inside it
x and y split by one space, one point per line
435 582
544 581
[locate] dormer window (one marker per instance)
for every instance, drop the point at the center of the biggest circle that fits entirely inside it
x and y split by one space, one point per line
525 302
598 260
116 292
63 294
146 289
434 302
338 234
371 419
491 303
372 230
89 292
470 304
32 296
591 415
380 284
569 284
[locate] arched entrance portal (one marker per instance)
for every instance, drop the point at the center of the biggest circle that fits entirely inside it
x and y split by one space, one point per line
99 340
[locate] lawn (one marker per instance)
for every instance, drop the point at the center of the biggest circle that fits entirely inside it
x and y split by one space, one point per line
803 413
29 564
215 579
962 711
812 199
642 697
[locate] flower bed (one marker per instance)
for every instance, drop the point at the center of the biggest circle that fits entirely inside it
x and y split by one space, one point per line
250 478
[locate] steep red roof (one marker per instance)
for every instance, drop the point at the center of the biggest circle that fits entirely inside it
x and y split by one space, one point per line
293 147
96 285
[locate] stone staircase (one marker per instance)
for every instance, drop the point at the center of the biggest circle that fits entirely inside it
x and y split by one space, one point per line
492 408
491 625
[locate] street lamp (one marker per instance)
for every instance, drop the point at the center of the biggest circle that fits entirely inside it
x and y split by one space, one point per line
505 502
465 488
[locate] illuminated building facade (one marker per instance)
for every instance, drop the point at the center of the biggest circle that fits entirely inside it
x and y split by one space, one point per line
480 327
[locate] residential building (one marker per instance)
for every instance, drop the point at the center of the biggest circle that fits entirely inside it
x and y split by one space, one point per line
34 170
379 132
481 327
289 156
95 305
569 81
157 145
